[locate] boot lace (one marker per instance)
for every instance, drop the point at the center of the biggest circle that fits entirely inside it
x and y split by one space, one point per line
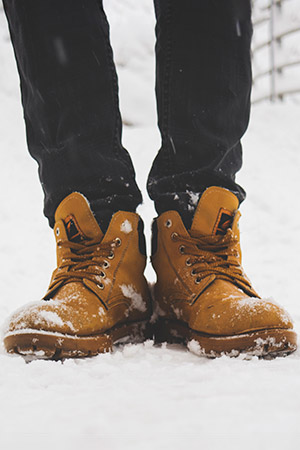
84 261
212 255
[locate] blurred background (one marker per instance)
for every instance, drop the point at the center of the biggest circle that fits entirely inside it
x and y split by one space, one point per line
275 53
276 50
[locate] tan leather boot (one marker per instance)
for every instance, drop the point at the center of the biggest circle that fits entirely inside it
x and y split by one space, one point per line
202 294
98 294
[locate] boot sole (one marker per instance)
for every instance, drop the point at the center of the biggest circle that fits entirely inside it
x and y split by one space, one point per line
263 343
34 344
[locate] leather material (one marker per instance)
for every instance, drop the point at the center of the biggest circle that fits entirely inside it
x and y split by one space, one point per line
208 290
206 223
114 289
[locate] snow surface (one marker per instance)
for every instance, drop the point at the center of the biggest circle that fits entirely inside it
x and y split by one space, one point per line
141 396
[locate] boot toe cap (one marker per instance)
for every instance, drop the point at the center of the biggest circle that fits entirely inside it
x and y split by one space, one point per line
57 317
241 315
251 314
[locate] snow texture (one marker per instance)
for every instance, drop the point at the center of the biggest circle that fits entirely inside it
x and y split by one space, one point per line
126 227
142 396
51 318
194 197
194 347
136 298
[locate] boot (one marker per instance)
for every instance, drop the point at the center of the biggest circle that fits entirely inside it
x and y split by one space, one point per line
97 295
202 295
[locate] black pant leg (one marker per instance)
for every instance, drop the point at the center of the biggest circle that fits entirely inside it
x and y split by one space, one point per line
70 98
203 84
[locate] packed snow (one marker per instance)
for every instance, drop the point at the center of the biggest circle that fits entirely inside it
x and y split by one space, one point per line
126 227
144 396
136 298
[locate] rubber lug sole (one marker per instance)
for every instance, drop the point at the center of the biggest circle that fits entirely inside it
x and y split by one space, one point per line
263 343
34 344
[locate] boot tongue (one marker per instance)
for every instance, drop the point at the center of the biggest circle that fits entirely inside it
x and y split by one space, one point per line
215 212
78 218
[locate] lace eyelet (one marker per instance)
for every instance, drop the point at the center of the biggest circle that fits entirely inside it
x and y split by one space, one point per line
102 274
181 249
111 255
118 242
168 223
57 231
198 280
105 264
193 272
174 236
101 286
188 262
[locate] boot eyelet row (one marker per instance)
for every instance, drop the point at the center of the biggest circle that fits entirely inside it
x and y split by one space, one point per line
101 286
181 249
168 223
105 264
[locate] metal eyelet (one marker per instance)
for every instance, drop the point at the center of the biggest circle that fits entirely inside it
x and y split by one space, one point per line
105 264
101 286
118 242
181 249
111 255
57 231
193 272
174 236
198 280
168 223
102 274
188 262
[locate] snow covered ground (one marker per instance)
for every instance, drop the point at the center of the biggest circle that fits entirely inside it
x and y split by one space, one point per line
145 397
